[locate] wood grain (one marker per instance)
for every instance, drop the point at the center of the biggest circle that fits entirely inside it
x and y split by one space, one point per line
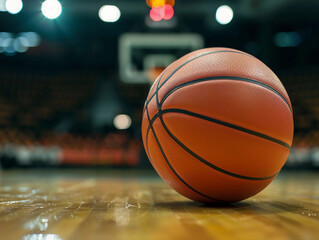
121 205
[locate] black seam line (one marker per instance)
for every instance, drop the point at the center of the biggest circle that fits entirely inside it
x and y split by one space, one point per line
170 166
225 78
164 155
159 115
151 97
150 123
208 163
182 65
149 126
226 124
200 158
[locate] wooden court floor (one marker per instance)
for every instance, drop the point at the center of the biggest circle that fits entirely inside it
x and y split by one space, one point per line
124 205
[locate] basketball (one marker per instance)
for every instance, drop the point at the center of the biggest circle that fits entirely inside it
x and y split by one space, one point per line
128 123
217 125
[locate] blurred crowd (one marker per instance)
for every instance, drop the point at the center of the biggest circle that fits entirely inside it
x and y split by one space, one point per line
37 101
303 89
44 121
52 149
33 130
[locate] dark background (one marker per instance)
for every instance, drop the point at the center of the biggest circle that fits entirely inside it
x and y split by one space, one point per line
63 94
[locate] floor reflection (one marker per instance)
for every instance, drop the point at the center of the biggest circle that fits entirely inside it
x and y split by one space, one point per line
41 237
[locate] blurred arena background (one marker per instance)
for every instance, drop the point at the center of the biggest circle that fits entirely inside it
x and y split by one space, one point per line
74 74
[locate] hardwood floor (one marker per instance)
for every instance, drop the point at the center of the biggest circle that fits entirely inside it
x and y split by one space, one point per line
132 205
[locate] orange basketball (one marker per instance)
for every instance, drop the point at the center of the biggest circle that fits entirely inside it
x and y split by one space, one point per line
217 125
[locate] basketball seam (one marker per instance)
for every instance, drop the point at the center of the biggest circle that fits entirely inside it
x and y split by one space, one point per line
185 63
146 109
217 78
171 167
205 54
208 163
165 157
254 133
226 124
158 87
159 113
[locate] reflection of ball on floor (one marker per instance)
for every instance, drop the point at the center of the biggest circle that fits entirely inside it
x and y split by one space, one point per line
217 125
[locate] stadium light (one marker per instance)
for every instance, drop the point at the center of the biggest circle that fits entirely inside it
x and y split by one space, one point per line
20 44
51 9
11 43
109 13
13 6
122 121
33 39
224 14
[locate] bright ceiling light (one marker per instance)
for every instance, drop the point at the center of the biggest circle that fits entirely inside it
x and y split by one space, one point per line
224 14
122 121
13 6
109 13
51 9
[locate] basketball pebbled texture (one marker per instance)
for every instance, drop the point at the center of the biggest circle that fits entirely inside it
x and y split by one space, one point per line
217 125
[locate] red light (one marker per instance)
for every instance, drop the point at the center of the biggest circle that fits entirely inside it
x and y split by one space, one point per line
167 12
155 14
